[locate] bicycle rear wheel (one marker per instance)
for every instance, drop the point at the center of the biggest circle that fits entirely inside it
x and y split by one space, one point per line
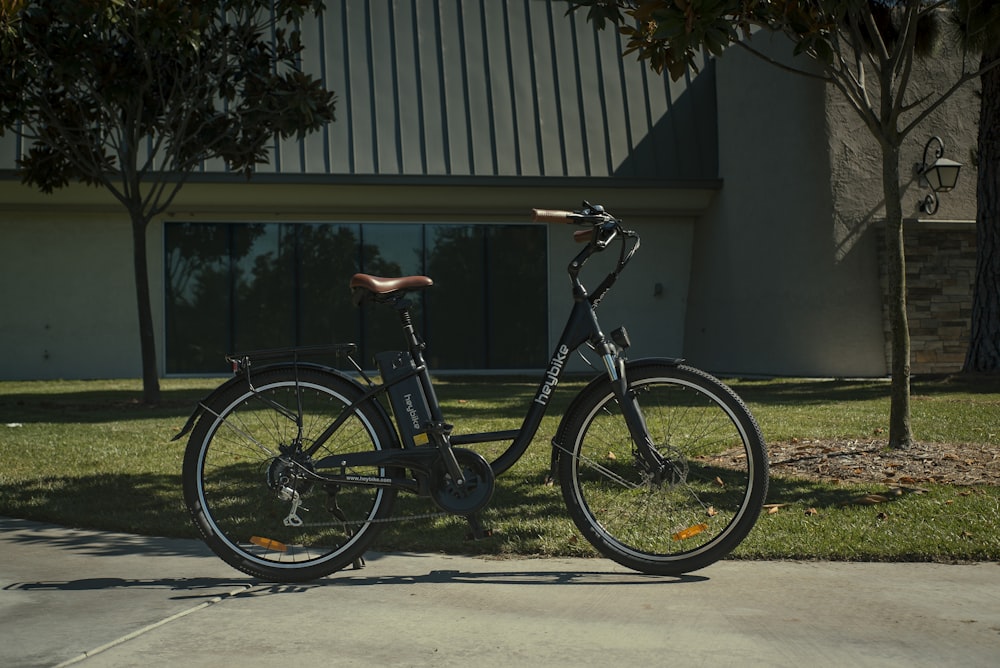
245 476
698 509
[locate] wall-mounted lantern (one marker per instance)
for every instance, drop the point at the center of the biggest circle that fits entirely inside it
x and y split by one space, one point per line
941 175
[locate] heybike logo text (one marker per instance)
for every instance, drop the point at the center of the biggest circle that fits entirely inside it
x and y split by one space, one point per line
412 411
552 375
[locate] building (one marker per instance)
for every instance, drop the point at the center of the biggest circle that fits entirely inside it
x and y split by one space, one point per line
756 192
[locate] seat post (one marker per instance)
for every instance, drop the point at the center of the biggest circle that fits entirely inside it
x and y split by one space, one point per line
416 346
413 341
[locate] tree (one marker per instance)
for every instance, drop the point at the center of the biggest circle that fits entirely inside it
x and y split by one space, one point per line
135 95
979 25
864 48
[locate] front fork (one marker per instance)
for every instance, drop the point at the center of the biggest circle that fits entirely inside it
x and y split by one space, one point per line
613 356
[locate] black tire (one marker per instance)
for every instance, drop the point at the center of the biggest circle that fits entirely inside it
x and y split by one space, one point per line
233 469
715 488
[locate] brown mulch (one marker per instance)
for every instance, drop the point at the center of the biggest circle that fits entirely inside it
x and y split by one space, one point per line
867 461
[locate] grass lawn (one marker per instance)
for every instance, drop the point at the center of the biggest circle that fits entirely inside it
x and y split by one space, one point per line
88 454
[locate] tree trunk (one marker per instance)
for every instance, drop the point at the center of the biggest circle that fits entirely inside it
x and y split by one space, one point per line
147 337
900 433
984 341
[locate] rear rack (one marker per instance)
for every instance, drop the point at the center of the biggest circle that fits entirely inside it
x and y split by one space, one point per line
241 361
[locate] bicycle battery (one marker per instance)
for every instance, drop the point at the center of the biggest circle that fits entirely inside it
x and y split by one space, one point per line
409 404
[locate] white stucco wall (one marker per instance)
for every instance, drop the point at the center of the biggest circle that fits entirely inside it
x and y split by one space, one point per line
856 163
68 297
785 271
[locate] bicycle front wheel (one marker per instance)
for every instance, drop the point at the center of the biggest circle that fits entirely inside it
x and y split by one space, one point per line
247 481
697 507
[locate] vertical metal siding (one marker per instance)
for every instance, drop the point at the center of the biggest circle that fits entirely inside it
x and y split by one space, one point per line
490 88
496 88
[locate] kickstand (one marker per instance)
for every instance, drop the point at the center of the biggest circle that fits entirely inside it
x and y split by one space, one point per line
476 529
335 510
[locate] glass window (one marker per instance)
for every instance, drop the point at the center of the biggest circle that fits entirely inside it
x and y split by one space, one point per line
328 257
198 299
263 271
456 305
267 285
516 285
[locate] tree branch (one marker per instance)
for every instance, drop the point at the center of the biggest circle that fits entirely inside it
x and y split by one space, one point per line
878 44
778 64
943 97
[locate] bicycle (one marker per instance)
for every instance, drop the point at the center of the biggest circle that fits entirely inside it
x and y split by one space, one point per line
291 469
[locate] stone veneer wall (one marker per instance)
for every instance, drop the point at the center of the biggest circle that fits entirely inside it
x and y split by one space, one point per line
940 271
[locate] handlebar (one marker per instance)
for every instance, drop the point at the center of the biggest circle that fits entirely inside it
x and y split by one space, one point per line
553 216
589 215
557 216
603 229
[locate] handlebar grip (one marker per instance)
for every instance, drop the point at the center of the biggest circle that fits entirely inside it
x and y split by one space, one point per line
552 216
583 236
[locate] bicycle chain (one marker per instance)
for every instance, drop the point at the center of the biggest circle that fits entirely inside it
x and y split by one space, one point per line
386 520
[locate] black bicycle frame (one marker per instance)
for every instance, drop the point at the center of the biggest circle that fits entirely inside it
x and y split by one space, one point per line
581 327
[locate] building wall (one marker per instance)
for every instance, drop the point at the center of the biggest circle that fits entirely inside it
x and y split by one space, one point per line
487 88
448 111
786 265
68 300
940 249
68 295
650 298
776 272
770 293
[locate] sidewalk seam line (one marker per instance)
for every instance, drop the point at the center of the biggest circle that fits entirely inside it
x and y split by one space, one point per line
138 632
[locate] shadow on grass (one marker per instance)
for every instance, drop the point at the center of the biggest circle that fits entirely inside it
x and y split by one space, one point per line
466 398
95 506
152 505
531 517
814 392
818 495
96 406
141 504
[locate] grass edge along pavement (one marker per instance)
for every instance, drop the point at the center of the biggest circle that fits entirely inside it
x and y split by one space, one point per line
88 454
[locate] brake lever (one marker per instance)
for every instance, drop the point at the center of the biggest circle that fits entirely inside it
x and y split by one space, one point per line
605 234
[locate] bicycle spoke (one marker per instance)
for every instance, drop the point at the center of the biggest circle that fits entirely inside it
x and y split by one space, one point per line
693 510
252 489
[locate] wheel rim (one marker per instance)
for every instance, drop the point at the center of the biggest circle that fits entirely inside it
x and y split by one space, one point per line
679 519
246 514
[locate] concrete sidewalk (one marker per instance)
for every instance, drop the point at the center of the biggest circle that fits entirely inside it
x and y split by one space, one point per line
72 597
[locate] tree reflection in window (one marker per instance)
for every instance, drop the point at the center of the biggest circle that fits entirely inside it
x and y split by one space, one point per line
264 285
